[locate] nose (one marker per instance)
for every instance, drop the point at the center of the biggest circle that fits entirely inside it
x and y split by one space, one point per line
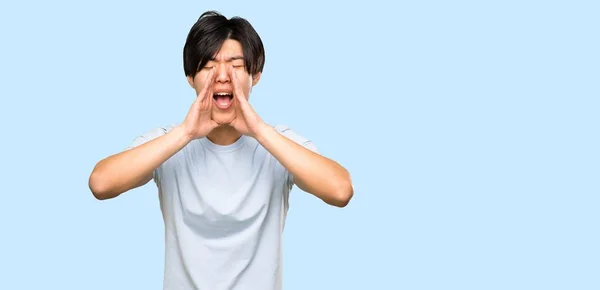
222 73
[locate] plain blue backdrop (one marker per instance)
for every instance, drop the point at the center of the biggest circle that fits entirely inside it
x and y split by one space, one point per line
470 129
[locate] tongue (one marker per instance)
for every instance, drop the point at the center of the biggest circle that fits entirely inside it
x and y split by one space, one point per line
223 100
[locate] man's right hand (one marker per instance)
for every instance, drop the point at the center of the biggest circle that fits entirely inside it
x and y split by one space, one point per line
199 123
132 168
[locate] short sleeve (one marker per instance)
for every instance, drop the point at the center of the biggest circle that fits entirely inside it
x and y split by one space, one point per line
147 137
294 136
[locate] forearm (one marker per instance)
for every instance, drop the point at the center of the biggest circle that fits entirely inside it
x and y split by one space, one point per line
132 168
312 172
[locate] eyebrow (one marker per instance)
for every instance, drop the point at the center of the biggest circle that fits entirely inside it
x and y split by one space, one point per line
230 58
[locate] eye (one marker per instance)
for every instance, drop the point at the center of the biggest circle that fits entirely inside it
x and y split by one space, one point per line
238 64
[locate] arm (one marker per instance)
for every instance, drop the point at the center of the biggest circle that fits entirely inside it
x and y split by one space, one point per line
132 168
313 173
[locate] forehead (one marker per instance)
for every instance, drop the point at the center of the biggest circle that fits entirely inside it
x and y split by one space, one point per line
230 50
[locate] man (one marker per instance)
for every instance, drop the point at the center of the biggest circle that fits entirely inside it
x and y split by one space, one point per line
223 174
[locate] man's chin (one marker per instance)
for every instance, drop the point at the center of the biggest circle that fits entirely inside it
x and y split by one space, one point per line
223 118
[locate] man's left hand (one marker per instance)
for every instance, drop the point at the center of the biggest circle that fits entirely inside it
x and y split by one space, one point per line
246 120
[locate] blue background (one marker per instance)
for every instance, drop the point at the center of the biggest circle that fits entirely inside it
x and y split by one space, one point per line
470 129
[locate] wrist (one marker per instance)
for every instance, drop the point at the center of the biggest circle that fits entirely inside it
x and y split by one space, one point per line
182 134
264 132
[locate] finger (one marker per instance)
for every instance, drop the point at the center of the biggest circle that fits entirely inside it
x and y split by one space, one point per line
239 107
208 84
208 102
213 124
237 88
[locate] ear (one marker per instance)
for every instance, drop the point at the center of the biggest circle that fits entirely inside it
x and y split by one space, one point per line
190 80
255 79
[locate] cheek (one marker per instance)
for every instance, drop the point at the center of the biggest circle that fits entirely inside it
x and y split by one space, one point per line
198 83
248 85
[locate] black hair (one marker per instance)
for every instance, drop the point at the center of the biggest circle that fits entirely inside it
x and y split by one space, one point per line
207 36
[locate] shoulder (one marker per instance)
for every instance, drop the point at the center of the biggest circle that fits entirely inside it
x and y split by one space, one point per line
295 136
288 132
150 134
157 131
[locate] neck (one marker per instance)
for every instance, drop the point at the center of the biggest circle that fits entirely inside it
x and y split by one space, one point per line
224 135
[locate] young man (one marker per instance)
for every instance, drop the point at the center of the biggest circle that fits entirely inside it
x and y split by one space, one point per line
223 175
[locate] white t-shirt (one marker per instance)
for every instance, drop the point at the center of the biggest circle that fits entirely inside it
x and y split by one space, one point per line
224 210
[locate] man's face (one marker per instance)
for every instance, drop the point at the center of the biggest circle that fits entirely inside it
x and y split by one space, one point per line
229 57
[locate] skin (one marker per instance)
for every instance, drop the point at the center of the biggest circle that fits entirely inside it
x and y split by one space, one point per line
227 66
313 173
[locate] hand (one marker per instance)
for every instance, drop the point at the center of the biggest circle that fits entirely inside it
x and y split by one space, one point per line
198 123
246 120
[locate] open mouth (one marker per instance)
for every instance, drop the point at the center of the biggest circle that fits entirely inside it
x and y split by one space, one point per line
223 99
